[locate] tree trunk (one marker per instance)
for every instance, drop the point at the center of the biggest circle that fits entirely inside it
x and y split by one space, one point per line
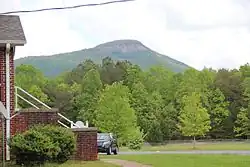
194 143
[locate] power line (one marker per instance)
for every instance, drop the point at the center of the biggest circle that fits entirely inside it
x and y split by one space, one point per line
68 7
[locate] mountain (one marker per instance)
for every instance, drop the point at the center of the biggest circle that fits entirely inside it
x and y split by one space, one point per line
131 50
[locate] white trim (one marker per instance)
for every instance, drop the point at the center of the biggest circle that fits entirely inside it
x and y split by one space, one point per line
13 42
7 61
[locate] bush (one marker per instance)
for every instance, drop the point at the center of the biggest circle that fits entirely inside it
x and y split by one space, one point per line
43 143
63 138
134 139
32 147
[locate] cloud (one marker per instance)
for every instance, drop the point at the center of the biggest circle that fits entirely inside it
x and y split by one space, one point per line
49 36
9 5
197 32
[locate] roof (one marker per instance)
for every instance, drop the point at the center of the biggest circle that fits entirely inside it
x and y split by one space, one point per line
11 30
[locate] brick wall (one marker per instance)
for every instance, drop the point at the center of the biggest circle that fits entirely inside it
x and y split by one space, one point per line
1 151
86 137
86 144
3 83
30 117
2 74
3 78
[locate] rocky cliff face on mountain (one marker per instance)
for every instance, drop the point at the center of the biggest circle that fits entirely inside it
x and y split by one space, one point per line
123 46
131 50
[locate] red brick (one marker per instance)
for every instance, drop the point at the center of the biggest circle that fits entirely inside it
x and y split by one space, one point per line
86 144
3 78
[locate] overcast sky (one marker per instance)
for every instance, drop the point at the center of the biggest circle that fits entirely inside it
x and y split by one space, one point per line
211 33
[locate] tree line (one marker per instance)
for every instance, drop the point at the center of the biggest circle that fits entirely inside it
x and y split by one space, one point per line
156 104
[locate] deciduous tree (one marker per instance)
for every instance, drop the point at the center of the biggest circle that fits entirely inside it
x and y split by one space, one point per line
89 96
194 119
242 124
114 113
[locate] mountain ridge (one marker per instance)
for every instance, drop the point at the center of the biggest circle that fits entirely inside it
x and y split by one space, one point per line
124 49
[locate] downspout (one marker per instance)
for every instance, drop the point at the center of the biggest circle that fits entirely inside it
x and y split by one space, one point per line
7 61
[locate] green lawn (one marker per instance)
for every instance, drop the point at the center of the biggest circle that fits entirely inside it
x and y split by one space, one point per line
85 164
161 160
199 146
73 164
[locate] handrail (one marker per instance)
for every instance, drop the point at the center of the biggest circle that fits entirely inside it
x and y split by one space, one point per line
25 92
65 118
33 97
14 115
27 101
62 124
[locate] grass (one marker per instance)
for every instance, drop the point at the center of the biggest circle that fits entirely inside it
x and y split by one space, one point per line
199 146
73 164
161 160
85 164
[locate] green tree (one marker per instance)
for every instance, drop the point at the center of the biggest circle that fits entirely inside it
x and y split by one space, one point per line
89 97
38 93
114 113
61 96
133 75
246 89
76 75
149 111
31 80
245 70
161 86
230 84
188 83
168 119
155 106
242 124
218 110
194 119
27 75
160 79
108 72
140 103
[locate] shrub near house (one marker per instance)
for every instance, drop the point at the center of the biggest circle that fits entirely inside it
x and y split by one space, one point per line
43 143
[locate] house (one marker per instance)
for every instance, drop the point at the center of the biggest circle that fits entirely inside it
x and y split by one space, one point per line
11 35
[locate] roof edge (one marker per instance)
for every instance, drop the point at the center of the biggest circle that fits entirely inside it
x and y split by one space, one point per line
13 42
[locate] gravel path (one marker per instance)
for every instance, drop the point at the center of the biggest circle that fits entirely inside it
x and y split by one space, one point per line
124 163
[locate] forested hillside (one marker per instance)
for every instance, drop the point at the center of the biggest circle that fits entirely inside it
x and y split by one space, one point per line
157 104
131 50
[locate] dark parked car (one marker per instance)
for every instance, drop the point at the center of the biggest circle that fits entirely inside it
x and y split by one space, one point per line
107 143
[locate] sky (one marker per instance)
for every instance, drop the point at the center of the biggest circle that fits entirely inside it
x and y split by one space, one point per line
200 33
